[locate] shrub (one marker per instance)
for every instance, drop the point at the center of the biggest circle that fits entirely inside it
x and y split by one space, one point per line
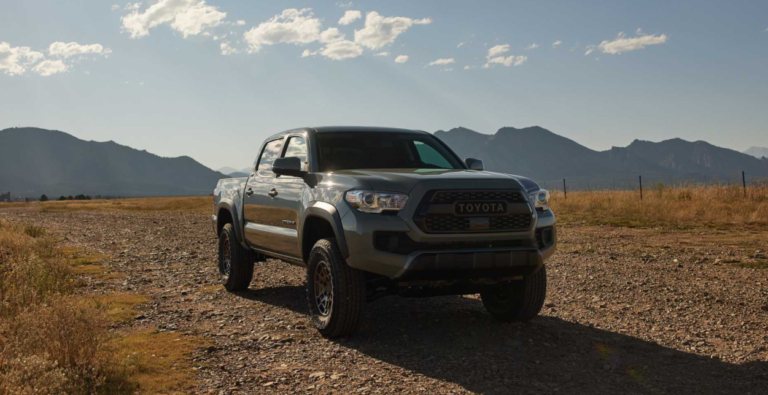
50 343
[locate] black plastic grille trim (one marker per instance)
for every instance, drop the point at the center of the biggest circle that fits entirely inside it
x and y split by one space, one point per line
401 243
446 222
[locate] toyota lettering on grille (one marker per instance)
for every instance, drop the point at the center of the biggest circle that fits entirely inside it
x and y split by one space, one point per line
480 208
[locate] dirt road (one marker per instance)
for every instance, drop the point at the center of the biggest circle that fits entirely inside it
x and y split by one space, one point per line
628 311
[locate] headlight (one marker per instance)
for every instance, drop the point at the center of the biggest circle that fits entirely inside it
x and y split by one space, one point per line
540 199
376 202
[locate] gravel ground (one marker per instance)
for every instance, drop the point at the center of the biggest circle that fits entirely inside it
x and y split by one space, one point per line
628 311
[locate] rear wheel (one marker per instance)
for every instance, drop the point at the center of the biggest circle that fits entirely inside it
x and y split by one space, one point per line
235 262
517 301
335 291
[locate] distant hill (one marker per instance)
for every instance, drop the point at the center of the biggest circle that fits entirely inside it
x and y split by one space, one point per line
757 152
542 155
231 170
37 161
237 174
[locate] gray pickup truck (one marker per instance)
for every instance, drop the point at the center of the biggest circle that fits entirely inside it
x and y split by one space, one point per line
372 212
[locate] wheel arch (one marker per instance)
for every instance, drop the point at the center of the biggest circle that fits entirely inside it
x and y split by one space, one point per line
321 220
225 214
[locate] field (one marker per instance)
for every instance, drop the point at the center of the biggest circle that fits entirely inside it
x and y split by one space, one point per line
664 295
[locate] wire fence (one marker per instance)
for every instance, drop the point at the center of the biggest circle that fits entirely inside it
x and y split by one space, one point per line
649 182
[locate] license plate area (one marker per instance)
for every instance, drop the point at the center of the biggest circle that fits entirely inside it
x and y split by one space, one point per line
485 209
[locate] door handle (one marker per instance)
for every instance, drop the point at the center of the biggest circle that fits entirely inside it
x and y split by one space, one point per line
249 191
272 192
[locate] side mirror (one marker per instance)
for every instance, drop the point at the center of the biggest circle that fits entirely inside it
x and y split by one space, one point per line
290 166
474 164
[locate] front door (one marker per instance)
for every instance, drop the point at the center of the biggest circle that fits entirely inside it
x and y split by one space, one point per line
287 200
273 203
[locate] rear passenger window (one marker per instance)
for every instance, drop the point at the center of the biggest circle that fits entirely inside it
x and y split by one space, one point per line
268 156
297 148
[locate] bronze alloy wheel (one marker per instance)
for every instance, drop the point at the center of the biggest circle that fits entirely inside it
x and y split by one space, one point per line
323 282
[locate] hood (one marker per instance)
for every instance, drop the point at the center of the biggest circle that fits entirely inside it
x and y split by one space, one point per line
403 180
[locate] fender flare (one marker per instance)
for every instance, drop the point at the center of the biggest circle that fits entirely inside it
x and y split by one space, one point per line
329 213
227 205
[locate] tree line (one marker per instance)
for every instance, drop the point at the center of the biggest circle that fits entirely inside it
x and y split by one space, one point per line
44 198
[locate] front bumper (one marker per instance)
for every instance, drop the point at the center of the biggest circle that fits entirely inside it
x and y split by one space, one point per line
437 263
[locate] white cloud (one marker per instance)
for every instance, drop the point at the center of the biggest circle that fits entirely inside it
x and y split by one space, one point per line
132 6
240 23
556 44
344 5
590 49
461 44
624 44
401 59
228 49
382 54
291 27
498 49
16 60
508 61
442 62
48 68
189 17
67 50
447 69
337 47
301 27
341 49
467 67
349 17
115 7
380 31
532 46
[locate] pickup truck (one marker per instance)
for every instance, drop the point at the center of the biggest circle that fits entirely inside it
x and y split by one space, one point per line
371 212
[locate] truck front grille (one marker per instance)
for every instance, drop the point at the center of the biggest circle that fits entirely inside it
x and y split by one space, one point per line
437 214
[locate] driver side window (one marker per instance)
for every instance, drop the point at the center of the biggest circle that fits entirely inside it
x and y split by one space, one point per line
268 156
297 148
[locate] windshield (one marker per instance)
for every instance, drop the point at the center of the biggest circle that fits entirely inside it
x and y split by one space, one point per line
382 150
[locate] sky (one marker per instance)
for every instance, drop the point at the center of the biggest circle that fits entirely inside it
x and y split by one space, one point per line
211 79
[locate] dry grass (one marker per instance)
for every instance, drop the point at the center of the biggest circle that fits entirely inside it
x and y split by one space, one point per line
663 206
120 307
50 343
191 204
158 362
53 341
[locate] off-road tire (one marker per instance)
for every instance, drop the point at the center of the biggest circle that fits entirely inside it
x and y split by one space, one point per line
240 272
347 298
519 300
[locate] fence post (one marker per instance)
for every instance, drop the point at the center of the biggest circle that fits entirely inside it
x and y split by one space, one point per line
744 182
641 187
565 189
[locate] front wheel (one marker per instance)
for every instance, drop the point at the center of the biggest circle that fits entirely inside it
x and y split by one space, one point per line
517 301
235 262
335 291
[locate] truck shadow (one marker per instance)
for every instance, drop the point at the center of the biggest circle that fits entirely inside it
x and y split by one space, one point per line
452 339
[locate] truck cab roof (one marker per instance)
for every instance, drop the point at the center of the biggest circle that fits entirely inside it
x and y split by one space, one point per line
347 129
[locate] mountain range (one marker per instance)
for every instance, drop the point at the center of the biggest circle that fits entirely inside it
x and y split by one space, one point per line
35 161
757 152
38 161
542 155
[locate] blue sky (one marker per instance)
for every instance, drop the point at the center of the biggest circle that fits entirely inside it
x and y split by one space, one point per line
154 76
